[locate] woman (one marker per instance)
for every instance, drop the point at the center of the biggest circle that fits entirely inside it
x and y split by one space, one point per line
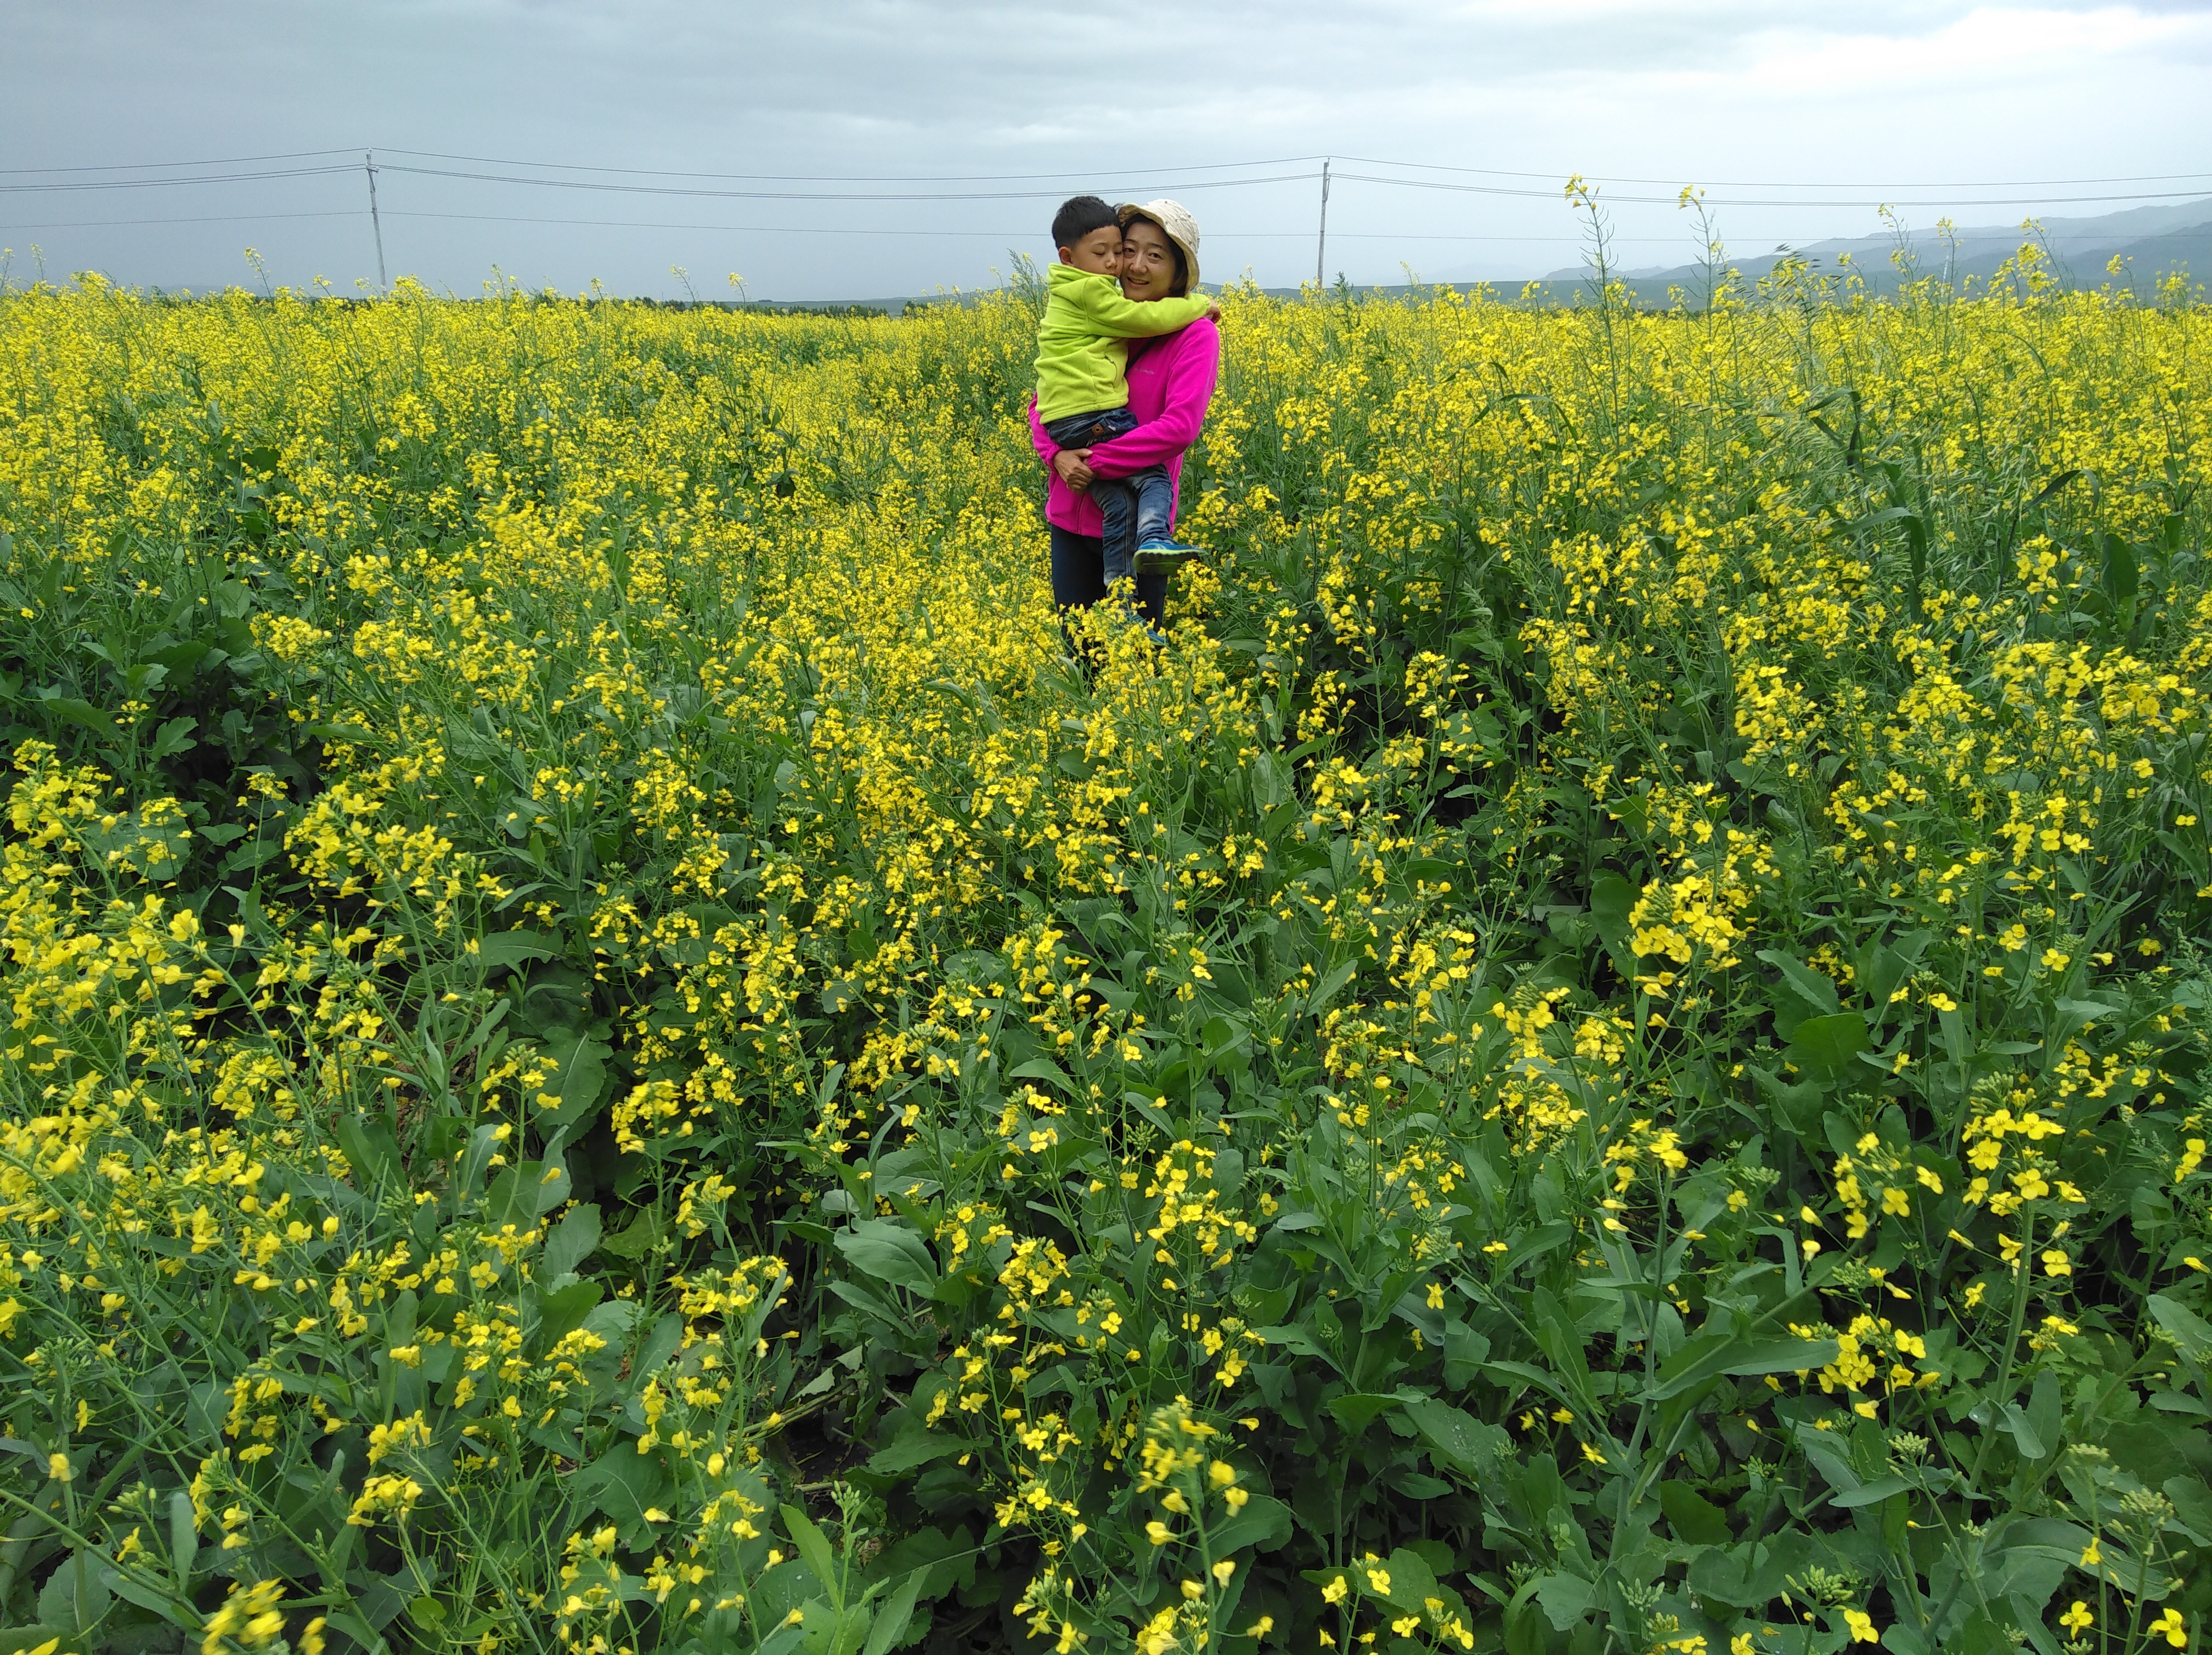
1171 383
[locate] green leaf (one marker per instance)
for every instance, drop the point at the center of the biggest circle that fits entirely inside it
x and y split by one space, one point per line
2190 1330
572 1242
79 712
184 1533
911 1452
1264 1525
1043 1068
1695 1518
944 1559
1712 1355
1412 1581
74 1595
175 736
890 1621
2121 580
1325 990
624 1484
1612 899
1566 1599
885 1251
1464 1442
370 1148
1868 1493
1824 1046
814 1545
504 949
562 1312
580 1084
635 1239
1356 1410
1810 986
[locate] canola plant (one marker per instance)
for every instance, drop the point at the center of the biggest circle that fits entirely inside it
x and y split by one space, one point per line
615 1043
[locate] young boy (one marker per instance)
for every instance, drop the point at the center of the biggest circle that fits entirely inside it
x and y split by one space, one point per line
1082 382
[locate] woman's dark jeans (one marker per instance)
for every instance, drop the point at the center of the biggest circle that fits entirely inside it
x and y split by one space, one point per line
1078 578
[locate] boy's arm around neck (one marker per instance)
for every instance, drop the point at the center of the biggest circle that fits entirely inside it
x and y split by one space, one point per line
1104 309
1190 373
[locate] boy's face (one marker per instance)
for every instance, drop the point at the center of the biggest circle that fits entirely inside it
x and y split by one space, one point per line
1099 253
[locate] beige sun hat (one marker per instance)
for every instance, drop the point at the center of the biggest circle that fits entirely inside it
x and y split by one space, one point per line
1181 229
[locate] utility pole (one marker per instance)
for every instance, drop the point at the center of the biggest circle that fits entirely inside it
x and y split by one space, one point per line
1321 246
369 166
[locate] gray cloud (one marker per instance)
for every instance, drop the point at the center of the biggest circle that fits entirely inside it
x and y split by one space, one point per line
1889 95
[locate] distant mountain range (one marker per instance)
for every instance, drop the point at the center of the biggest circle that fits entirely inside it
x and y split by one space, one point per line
2155 239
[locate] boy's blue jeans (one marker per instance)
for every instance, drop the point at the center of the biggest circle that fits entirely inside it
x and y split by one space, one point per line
1133 509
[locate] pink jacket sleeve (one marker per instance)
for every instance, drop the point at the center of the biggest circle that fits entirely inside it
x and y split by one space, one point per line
1046 447
1190 376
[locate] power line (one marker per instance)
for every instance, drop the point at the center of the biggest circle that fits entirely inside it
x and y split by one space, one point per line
603 186
809 195
171 183
214 218
1006 177
156 166
828 177
1023 233
1003 234
743 229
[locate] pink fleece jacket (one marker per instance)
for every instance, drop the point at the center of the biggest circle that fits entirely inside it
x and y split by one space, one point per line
1170 387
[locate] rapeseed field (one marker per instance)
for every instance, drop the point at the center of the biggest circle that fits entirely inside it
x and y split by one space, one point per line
612 1047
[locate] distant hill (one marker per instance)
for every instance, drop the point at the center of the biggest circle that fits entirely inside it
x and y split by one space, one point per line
2155 240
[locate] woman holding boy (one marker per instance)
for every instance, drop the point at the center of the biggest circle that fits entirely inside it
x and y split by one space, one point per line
1170 381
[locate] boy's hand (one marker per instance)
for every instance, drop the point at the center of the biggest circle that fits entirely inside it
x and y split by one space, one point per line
1074 465
1213 313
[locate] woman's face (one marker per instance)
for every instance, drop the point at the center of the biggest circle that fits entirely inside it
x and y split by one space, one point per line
1148 262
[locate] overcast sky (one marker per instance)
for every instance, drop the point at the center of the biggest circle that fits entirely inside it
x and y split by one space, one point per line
1828 109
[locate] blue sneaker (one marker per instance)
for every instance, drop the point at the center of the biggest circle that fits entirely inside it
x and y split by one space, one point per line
1163 556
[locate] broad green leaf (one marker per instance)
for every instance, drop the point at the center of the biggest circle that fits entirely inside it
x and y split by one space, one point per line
504 949
1694 1518
1824 1046
814 1545
1712 1355
891 1617
1868 1493
1463 1441
1264 1524
184 1533
1356 1410
2191 1332
1566 1599
573 1241
910 1453
74 1595
1817 991
885 1251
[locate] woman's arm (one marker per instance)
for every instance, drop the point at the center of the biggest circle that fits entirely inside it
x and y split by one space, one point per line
1190 374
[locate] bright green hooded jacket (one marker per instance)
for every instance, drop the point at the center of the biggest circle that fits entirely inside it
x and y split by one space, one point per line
1081 362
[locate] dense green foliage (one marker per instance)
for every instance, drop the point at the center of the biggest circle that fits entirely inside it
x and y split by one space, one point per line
610 1049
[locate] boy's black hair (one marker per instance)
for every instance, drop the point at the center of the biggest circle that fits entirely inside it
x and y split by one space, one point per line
1078 216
